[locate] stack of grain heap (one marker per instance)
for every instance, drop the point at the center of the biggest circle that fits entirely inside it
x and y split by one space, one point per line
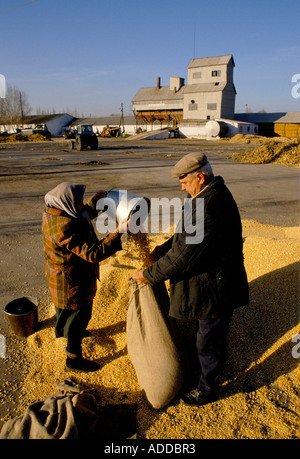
259 391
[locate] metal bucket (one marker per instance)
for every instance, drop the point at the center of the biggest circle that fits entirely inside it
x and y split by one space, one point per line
23 315
127 204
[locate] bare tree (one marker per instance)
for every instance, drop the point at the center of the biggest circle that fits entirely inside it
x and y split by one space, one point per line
45 111
15 107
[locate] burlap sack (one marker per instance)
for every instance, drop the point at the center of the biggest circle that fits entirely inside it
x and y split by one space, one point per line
152 343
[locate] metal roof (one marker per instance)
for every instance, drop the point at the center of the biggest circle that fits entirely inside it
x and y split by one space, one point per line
112 120
278 117
156 94
40 119
208 61
165 93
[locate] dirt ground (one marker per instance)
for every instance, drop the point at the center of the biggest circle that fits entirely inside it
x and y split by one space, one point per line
260 398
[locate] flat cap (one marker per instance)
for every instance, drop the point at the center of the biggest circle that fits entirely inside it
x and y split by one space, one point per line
189 163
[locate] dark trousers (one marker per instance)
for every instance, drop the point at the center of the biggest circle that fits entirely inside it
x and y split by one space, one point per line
212 352
72 325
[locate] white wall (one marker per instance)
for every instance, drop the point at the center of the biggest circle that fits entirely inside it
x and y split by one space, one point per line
9 128
206 74
200 131
236 127
201 100
193 130
130 129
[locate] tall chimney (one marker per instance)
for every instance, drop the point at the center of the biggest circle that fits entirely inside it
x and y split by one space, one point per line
158 82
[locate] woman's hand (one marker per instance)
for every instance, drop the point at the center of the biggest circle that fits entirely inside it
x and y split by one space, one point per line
99 195
123 227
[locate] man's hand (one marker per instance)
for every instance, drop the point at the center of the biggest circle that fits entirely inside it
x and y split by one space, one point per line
138 276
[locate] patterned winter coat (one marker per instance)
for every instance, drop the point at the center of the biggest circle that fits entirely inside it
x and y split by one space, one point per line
73 252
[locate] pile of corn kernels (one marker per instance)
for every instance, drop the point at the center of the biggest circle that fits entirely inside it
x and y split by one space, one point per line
259 389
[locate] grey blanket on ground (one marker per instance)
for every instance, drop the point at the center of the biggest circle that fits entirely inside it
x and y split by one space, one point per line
153 343
67 414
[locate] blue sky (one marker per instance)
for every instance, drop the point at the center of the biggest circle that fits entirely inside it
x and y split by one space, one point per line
93 55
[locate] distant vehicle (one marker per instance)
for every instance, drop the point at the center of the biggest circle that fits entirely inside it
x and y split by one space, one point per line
38 129
84 138
69 133
110 131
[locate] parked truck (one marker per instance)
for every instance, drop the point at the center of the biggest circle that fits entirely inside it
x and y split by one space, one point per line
84 138
38 129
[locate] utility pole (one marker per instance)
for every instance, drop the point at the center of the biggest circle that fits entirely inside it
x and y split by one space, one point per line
21 107
122 119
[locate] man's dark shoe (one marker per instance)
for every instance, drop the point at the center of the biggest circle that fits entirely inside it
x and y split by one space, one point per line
81 364
197 398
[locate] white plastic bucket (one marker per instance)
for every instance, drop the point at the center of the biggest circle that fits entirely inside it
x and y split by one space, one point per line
126 204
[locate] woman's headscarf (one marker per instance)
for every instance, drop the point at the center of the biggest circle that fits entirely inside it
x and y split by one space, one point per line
66 196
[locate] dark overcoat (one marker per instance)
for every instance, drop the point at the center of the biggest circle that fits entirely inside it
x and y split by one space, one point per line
207 279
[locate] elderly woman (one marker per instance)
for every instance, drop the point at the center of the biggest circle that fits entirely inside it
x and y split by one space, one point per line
73 252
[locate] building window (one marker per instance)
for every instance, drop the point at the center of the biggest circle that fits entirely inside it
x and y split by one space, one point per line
193 105
197 75
211 106
216 73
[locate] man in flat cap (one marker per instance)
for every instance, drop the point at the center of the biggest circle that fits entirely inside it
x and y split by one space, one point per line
207 278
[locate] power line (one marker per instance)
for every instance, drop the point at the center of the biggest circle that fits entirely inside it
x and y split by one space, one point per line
17 6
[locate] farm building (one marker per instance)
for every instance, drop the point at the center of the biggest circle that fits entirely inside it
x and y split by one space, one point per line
273 124
214 129
202 108
163 104
55 123
127 125
209 94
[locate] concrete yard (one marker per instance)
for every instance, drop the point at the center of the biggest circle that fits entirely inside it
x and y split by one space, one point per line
265 194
